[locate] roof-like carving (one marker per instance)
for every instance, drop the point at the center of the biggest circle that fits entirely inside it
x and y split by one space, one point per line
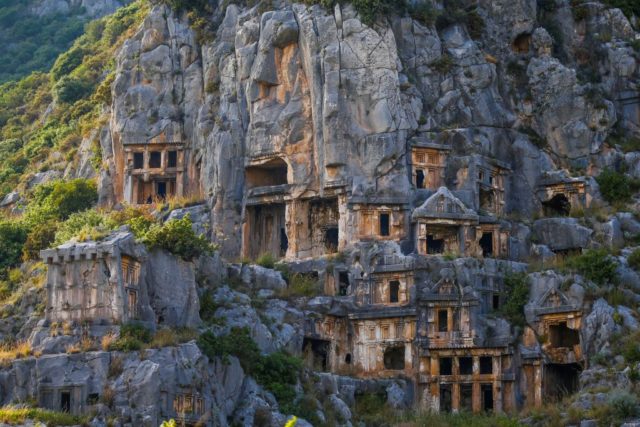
443 204
554 301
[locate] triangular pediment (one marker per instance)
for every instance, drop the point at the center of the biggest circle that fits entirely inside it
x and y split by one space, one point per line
443 204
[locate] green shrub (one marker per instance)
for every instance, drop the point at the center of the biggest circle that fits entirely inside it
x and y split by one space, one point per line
133 337
14 416
59 199
266 260
177 236
423 12
237 343
278 372
67 62
13 236
71 89
456 12
615 187
516 296
634 260
40 237
444 64
595 265
80 222
208 307
624 405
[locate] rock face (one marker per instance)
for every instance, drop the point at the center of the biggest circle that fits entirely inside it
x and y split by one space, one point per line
403 173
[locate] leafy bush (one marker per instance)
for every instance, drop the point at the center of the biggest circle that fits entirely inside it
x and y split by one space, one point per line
456 12
71 89
13 235
278 372
516 296
624 405
266 260
85 222
177 236
40 237
423 12
237 343
595 265
208 307
133 337
59 199
634 259
615 187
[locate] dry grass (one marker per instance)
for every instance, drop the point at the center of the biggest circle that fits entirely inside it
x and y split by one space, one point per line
108 396
82 346
107 341
172 337
9 353
115 367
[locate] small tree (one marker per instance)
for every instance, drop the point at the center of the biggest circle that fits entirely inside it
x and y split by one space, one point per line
516 296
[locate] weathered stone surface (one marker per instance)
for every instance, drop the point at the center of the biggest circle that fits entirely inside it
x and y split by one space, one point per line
562 233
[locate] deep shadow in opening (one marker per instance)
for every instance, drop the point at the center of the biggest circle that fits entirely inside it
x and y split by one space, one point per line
561 336
521 43
331 239
445 397
466 397
419 178
65 401
558 205
487 200
316 353
384 224
394 291
343 283
394 358
486 365
560 380
434 246
486 392
486 243
445 365
466 365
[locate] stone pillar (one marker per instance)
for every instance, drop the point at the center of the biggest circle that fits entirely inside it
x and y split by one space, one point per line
476 396
455 391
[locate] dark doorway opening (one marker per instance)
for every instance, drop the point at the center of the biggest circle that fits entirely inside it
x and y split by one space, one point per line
561 336
558 205
343 283
466 397
486 365
486 393
445 365
316 353
419 178
384 224
443 320
394 358
331 239
162 189
284 242
466 365
486 243
560 380
347 359
65 401
445 397
434 246
155 159
495 302
138 160
394 291
172 160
